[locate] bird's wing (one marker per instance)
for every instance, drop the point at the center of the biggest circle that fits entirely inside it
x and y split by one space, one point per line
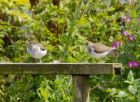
98 47
41 47
34 48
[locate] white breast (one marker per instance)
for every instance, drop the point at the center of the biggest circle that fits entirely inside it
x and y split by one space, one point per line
99 55
91 51
40 53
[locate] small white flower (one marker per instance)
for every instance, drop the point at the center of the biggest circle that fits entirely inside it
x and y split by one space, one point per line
122 93
56 61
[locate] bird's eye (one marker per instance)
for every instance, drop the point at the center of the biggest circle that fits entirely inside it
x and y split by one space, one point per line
42 49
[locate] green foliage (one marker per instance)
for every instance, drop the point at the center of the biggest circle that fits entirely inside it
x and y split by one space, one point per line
63 29
48 90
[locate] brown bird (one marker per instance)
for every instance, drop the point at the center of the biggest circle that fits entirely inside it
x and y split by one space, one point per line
98 50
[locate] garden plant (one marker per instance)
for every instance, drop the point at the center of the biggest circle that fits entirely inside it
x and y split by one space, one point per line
62 27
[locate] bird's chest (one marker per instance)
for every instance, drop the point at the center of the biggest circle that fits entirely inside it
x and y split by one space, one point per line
32 51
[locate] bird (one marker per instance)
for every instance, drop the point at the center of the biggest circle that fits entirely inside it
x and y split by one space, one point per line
98 50
36 50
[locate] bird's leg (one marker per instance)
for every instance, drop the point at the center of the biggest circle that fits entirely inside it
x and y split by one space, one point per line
97 60
40 61
93 60
36 60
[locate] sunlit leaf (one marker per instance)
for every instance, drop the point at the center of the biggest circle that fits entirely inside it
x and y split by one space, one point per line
132 89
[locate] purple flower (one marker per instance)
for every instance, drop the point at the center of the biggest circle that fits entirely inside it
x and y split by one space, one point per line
125 33
126 18
133 64
139 19
131 37
115 44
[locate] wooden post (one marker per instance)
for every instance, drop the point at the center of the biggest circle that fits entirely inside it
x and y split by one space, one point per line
81 88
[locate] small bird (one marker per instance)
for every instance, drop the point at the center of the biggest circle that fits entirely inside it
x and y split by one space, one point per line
98 50
36 50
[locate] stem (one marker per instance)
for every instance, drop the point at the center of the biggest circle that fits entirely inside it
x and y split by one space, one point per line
72 25
106 98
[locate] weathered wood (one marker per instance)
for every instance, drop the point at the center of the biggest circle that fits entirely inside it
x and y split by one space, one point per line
81 88
79 71
63 68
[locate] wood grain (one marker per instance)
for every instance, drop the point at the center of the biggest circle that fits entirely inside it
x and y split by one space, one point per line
63 68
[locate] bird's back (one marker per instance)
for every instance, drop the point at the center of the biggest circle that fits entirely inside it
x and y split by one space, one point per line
98 47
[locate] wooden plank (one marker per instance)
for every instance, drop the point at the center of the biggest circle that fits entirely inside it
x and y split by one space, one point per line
63 68
81 88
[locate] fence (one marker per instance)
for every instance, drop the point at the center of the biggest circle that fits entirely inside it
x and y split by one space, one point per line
79 71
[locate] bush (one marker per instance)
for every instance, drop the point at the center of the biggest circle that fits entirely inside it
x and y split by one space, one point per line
63 26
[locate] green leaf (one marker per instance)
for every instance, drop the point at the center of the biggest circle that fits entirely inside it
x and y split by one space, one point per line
132 89
134 13
137 83
121 94
123 58
130 78
112 91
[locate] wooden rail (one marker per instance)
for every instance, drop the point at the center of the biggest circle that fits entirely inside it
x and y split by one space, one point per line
79 72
